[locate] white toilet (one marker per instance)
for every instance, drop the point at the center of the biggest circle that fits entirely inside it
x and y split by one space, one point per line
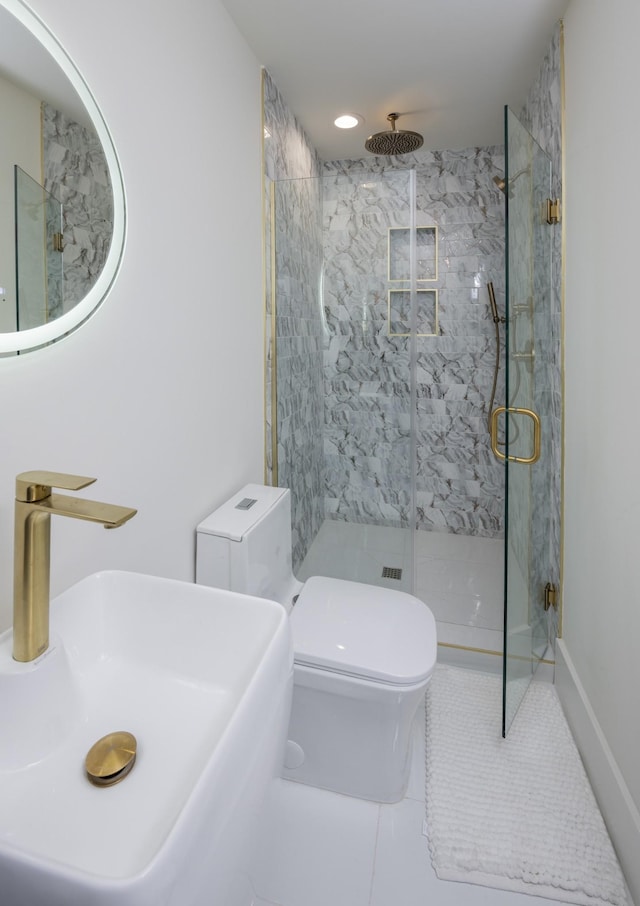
363 655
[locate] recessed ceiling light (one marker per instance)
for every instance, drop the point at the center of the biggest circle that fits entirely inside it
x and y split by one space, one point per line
348 121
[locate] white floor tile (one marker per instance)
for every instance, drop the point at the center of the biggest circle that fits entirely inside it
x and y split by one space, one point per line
416 785
402 875
320 850
469 636
446 545
464 609
462 577
324 849
459 577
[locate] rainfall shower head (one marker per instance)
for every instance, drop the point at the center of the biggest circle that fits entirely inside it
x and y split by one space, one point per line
395 141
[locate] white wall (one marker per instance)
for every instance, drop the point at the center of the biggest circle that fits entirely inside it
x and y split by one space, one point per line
602 488
159 395
21 144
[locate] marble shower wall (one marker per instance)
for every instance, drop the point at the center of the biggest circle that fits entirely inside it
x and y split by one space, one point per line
293 256
367 430
459 484
76 173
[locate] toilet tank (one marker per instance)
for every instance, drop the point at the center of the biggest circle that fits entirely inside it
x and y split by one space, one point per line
245 545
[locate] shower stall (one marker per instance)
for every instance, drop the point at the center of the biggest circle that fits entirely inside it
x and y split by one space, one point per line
38 253
380 369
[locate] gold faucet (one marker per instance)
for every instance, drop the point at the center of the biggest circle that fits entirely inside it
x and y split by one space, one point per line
35 504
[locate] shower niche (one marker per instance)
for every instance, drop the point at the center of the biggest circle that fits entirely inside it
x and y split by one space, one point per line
406 305
400 253
413 261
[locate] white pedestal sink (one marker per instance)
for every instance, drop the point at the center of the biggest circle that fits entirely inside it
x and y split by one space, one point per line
202 678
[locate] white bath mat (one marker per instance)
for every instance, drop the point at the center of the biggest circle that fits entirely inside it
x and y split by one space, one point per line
515 813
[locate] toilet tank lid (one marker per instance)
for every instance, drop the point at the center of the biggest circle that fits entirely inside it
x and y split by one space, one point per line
364 630
235 518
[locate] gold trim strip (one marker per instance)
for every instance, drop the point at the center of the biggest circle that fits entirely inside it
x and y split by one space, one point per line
263 184
543 660
274 345
469 648
563 227
268 317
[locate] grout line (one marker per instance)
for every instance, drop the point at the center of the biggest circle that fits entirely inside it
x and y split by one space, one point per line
375 855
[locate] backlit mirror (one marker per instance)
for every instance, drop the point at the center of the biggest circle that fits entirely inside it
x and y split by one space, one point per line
62 210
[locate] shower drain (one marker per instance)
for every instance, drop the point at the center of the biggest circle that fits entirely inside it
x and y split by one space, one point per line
391 572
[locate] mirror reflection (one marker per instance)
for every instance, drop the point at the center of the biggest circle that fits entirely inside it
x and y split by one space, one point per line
56 185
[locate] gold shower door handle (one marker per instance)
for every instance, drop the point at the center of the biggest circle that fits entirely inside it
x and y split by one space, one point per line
526 460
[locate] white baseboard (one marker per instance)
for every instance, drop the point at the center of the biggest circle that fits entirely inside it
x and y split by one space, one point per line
618 808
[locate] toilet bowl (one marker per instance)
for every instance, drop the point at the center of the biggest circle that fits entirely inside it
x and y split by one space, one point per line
363 655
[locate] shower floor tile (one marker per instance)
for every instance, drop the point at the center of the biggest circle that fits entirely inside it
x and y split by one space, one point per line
458 576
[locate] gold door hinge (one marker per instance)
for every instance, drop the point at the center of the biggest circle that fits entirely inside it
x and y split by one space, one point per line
549 596
58 245
553 211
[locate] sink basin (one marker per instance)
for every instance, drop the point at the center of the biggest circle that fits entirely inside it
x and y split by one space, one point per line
202 678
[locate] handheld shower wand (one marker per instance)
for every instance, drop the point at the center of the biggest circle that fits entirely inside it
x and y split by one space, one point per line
492 302
497 320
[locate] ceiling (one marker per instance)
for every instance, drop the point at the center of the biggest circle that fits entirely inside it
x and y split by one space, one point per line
447 66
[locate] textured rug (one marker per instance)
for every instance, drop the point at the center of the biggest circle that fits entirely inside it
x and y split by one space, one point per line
516 813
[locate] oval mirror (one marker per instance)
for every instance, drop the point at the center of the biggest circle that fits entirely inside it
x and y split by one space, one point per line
62 210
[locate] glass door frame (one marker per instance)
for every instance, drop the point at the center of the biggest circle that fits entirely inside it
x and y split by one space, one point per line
525 419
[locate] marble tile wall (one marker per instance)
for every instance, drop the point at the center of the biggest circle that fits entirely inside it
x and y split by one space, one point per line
367 431
293 256
459 484
76 173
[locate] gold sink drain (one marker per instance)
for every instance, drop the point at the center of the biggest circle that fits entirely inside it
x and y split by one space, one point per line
110 759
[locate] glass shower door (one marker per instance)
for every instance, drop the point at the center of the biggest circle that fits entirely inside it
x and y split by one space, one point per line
525 416
39 290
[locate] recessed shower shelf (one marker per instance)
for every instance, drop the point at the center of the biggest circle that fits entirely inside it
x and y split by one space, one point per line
400 320
426 253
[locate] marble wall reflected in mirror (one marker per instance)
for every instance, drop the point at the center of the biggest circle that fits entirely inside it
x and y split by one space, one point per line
62 215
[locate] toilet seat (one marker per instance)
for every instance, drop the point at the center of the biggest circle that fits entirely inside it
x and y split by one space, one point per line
374 633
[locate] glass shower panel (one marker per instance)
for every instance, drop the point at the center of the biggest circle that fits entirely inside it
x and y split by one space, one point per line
345 292
38 214
526 420
296 362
